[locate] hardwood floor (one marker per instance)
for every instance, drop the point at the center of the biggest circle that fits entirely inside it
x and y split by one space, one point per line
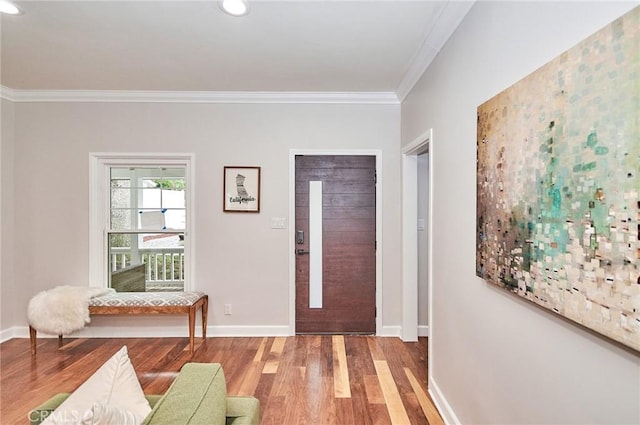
307 379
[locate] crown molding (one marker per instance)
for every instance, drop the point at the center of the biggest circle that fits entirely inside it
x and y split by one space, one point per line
419 65
7 94
446 24
124 96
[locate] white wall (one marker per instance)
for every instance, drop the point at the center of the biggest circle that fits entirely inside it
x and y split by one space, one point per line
6 216
496 358
239 258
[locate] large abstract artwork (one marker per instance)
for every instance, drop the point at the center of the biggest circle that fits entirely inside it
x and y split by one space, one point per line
558 182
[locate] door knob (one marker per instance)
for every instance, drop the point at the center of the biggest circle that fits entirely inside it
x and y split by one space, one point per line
301 251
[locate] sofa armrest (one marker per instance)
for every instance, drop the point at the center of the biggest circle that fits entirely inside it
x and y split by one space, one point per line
197 396
243 411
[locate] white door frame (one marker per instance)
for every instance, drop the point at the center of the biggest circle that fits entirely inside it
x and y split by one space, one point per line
410 233
292 224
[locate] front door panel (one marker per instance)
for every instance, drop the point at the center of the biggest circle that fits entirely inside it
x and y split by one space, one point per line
335 244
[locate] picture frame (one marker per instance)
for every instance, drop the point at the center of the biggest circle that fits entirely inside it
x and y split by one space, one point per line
241 189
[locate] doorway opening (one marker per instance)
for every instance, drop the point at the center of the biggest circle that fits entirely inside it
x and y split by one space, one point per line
416 156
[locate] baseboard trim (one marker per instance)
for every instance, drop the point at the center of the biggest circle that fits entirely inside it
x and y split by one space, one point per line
7 334
248 331
155 332
448 415
423 330
391 331
181 331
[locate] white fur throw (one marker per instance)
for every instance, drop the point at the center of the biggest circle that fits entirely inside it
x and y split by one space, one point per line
63 309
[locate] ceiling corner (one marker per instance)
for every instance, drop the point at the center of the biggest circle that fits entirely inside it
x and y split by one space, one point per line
446 24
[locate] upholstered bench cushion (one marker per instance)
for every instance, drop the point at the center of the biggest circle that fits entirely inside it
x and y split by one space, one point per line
146 299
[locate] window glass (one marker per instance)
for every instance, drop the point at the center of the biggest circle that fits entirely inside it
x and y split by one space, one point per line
147 219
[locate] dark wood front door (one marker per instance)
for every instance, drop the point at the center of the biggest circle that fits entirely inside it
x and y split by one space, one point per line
342 211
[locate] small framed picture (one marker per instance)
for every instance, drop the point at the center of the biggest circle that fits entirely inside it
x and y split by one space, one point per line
241 189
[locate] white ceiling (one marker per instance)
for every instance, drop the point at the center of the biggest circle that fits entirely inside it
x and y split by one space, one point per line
192 46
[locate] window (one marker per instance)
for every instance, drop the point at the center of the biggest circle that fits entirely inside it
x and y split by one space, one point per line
140 222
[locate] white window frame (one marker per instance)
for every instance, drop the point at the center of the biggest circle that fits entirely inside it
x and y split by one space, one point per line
100 165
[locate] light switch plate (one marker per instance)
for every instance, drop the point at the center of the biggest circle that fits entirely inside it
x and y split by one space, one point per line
421 224
278 223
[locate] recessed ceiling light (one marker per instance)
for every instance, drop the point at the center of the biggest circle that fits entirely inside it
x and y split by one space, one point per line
8 8
234 7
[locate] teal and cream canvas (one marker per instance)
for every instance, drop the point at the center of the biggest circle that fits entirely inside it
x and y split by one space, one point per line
558 184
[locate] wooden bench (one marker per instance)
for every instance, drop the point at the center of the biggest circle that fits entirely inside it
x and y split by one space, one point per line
145 303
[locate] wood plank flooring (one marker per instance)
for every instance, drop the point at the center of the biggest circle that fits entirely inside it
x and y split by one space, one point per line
310 379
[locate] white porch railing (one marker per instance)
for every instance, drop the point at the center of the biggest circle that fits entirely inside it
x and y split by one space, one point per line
164 266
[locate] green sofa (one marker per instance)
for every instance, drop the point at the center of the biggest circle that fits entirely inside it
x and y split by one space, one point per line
198 396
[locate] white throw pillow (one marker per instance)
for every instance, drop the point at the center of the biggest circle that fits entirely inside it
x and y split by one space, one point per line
115 384
103 414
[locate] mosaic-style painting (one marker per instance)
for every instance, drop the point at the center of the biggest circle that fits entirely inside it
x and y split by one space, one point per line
558 182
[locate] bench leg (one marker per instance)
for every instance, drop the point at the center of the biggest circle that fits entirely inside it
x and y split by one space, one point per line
205 314
32 338
192 328
204 308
